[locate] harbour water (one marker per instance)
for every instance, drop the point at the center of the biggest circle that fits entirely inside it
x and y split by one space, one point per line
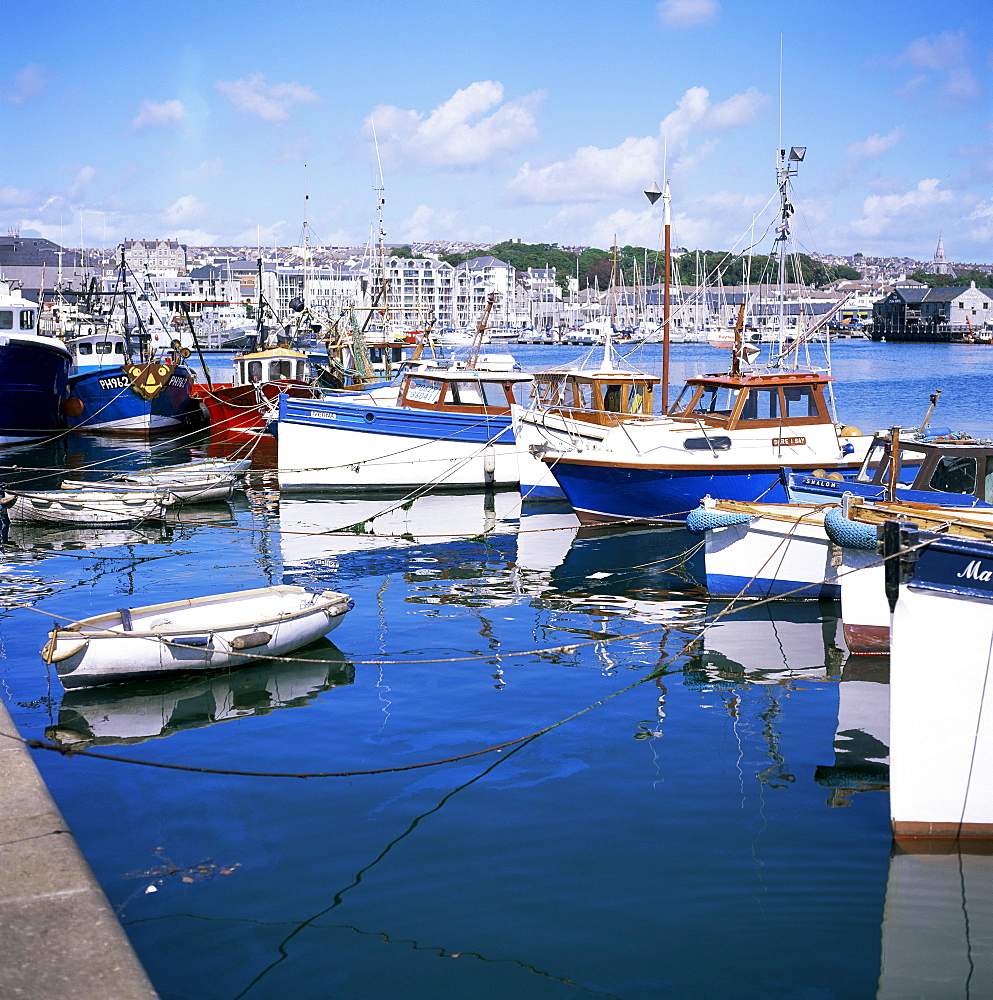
702 813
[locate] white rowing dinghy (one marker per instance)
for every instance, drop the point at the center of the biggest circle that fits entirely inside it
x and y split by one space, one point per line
188 470
203 633
201 481
186 490
97 507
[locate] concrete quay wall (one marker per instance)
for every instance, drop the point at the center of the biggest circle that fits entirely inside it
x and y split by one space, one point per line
59 936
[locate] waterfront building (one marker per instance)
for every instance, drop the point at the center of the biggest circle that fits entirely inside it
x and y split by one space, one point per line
146 255
914 312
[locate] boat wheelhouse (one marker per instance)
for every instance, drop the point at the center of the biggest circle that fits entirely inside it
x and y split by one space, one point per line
448 428
726 435
258 377
949 470
573 408
33 372
113 390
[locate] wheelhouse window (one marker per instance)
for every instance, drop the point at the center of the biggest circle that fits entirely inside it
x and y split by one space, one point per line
254 371
104 347
423 390
800 401
706 401
27 319
280 369
6 319
84 348
955 474
119 348
761 404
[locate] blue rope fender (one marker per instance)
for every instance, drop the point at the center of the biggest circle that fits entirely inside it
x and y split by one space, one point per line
705 519
849 534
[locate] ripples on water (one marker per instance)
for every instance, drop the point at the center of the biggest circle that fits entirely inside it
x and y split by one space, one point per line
720 829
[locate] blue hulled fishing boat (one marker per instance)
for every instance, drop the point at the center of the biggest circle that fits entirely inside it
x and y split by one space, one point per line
112 389
33 372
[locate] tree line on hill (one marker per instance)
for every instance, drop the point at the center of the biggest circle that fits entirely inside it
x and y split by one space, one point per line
595 268
960 280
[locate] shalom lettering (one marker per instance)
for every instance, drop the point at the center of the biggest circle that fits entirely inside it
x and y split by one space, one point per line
973 572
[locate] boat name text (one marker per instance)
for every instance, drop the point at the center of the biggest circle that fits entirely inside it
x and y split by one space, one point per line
115 382
974 572
787 442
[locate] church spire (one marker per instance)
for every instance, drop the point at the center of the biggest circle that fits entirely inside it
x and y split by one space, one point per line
940 263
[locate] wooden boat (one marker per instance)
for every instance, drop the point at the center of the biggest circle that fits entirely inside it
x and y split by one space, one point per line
205 489
573 407
727 434
87 506
257 381
202 633
201 481
943 468
450 428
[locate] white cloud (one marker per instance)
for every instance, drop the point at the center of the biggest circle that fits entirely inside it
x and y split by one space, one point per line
945 59
206 170
982 216
29 82
595 174
294 150
472 127
591 174
12 196
271 102
676 14
82 180
166 114
883 213
194 237
426 223
185 210
874 145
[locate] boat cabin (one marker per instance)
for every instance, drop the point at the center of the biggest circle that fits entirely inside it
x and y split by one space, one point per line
754 400
596 397
945 466
462 391
271 365
98 347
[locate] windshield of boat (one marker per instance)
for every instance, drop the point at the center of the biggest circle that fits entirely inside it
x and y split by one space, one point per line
876 465
706 401
955 474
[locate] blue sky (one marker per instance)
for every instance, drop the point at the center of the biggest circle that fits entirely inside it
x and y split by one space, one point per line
546 121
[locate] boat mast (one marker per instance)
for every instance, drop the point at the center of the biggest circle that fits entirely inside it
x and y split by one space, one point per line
653 194
666 303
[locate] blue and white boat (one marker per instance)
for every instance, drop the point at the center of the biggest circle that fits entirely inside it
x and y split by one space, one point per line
443 429
113 390
946 469
726 435
941 736
34 370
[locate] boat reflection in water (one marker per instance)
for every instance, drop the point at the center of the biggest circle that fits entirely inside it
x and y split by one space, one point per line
938 922
862 739
142 710
768 644
315 528
631 561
